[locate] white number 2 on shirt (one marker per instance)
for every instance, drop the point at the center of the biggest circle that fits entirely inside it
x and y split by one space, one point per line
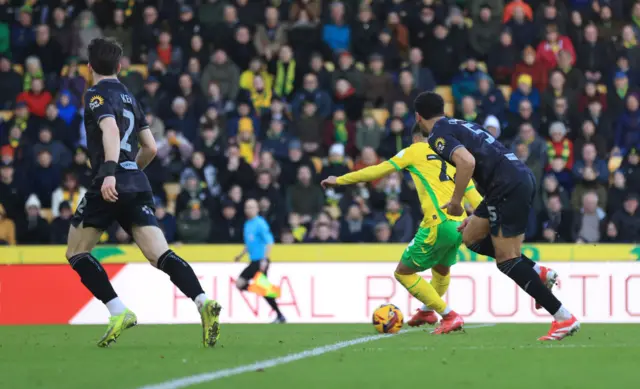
124 142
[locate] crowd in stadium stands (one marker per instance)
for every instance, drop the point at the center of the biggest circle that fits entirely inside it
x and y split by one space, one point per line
264 98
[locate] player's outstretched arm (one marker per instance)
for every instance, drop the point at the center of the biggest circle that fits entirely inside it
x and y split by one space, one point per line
367 174
148 148
465 165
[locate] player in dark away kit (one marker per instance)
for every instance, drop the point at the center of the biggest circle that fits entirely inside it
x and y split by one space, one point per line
497 227
120 191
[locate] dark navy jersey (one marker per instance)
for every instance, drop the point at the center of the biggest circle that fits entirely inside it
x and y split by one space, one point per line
110 98
496 166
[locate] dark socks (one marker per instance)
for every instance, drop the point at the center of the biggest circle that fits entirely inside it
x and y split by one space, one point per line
522 273
274 305
180 273
93 276
485 247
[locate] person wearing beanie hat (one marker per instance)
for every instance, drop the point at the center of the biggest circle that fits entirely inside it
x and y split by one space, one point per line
627 131
34 229
627 220
492 125
524 91
489 98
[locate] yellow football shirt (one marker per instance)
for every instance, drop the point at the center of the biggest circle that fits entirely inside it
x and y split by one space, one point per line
432 176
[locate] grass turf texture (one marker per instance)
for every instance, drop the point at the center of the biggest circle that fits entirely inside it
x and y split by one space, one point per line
503 356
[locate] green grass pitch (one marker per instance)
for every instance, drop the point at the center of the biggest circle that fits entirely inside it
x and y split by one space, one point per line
494 357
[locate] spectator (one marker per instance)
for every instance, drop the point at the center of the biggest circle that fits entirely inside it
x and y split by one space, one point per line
337 34
445 64
469 110
69 192
305 197
629 46
336 164
132 79
627 135
34 230
311 92
47 50
520 23
576 28
192 192
560 113
524 91
537 147
317 67
308 127
616 99
182 119
120 32
317 233
557 88
228 226
61 157
67 110
241 50
12 193
7 228
22 34
559 146
194 225
63 33
574 79
80 166
61 224
152 97
11 83
627 221
503 57
388 50
166 56
535 165
552 12
489 99
422 76
36 98
465 83
276 141
340 130
399 219
291 165
588 222
617 193
265 188
237 171
268 163
323 234
72 80
368 133
623 65
593 55
210 13
364 33
353 227
493 127
222 72
532 67
406 90
285 72
548 50
88 30
305 35
590 175
382 233
482 35
174 150
399 32
377 82
588 135
271 35
347 71
557 222
298 230
397 138
156 126
591 93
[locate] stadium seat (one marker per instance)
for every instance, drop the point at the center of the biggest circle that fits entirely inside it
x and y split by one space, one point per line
317 164
142 69
18 69
602 88
380 115
6 115
445 92
83 70
506 92
46 214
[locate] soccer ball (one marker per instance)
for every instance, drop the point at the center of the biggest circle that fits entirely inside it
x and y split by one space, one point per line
388 319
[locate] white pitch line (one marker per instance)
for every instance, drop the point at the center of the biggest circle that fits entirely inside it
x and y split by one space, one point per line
267 363
521 347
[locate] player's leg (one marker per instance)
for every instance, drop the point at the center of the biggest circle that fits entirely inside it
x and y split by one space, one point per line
508 222
93 216
137 217
419 256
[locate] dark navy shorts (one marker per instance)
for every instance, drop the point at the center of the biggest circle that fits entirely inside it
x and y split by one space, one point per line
254 267
132 208
508 207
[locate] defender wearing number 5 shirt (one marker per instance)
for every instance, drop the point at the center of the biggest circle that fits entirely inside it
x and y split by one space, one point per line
508 187
258 242
435 245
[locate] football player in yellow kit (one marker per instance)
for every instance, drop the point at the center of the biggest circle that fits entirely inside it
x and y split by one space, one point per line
435 245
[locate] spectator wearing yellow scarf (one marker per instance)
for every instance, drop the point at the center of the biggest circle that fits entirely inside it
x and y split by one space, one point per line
246 139
256 68
260 96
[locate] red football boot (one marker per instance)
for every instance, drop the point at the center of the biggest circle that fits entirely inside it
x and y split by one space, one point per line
450 323
423 317
561 329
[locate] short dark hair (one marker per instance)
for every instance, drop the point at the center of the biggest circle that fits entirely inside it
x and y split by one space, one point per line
429 105
104 56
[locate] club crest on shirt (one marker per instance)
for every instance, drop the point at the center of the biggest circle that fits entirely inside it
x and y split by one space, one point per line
96 101
440 145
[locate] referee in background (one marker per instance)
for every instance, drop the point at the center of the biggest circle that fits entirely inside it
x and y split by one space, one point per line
258 242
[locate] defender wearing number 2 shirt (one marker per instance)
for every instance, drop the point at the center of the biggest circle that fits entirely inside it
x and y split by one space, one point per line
508 187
